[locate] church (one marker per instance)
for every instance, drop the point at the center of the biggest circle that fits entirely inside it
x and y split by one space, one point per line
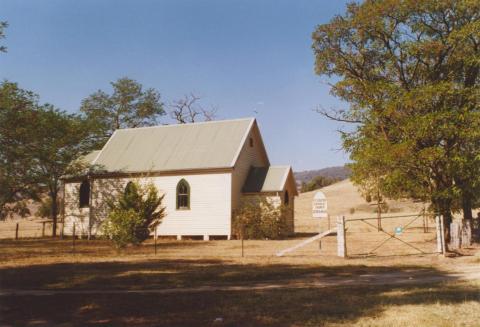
203 169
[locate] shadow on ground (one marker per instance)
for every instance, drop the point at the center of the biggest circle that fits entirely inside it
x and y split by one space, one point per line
266 307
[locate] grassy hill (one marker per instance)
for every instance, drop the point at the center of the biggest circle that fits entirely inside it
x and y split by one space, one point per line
343 198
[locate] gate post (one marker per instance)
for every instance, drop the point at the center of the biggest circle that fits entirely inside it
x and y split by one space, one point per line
341 241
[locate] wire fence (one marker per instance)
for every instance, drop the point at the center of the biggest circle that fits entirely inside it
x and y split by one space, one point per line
15 229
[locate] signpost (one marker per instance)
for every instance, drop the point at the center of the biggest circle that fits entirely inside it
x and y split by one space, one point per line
319 207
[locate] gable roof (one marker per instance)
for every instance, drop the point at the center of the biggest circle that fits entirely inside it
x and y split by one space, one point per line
205 145
266 179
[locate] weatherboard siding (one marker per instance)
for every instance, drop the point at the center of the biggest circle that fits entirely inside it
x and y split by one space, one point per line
209 213
248 157
73 213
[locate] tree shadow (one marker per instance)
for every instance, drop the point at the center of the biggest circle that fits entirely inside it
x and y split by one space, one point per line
303 294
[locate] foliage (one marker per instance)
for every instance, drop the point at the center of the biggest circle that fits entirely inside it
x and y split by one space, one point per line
122 227
135 213
3 26
410 72
39 149
258 218
317 183
18 180
45 208
128 106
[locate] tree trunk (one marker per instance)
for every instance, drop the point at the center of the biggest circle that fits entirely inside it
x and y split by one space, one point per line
54 211
444 208
467 207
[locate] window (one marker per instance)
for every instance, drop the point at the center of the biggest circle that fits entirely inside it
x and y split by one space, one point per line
251 142
183 195
287 200
84 194
129 188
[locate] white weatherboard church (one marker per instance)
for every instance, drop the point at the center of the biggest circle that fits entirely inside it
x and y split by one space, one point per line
204 170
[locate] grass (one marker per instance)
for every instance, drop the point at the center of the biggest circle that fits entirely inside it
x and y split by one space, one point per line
306 292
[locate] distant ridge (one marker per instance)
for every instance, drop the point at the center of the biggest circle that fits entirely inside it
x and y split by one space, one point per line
336 172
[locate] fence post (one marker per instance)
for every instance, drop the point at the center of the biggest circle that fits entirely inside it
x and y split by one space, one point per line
73 239
43 229
155 239
16 231
341 240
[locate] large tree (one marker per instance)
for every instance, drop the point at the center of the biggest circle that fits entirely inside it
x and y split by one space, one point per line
59 139
410 72
19 180
130 105
38 144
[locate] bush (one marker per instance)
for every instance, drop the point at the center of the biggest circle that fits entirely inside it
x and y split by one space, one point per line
122 227
134 215
257 218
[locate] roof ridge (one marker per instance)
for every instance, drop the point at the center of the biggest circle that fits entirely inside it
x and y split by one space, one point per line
186 124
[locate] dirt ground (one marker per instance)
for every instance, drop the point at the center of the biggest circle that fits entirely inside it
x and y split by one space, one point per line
196 283
386 281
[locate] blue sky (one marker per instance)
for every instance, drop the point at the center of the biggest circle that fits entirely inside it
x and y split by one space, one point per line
248 58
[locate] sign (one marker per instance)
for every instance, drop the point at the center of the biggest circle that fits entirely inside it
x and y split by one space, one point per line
319 206
398 230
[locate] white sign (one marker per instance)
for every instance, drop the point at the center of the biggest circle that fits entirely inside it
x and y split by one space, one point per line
319 206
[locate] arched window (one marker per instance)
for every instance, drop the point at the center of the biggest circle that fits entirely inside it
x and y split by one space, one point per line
129 188
286 201
183 195
84 198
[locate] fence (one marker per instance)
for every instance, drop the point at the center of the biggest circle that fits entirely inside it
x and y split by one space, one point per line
17 229
398 235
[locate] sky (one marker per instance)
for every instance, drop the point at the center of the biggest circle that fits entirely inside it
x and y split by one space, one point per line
249 58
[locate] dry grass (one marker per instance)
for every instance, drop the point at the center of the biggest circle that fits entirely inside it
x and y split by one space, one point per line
308 290
48 264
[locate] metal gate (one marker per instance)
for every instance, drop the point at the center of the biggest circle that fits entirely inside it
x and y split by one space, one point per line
392 236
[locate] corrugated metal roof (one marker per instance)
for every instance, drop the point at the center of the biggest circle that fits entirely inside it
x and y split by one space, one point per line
175 147
266 179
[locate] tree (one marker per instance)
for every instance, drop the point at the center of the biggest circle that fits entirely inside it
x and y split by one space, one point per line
128 106
58 139
187 110
19 180
134 214
410 72
38 144
3 26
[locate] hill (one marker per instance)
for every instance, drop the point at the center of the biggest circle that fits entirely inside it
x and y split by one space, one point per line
344 199
336 172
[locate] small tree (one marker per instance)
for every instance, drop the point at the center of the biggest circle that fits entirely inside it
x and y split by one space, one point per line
134 215
258 218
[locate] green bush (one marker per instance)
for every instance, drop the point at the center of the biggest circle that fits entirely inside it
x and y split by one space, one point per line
122 227
134 214
258 218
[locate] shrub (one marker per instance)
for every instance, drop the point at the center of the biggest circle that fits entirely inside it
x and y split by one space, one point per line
352 211
134 214
258 218
122 227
